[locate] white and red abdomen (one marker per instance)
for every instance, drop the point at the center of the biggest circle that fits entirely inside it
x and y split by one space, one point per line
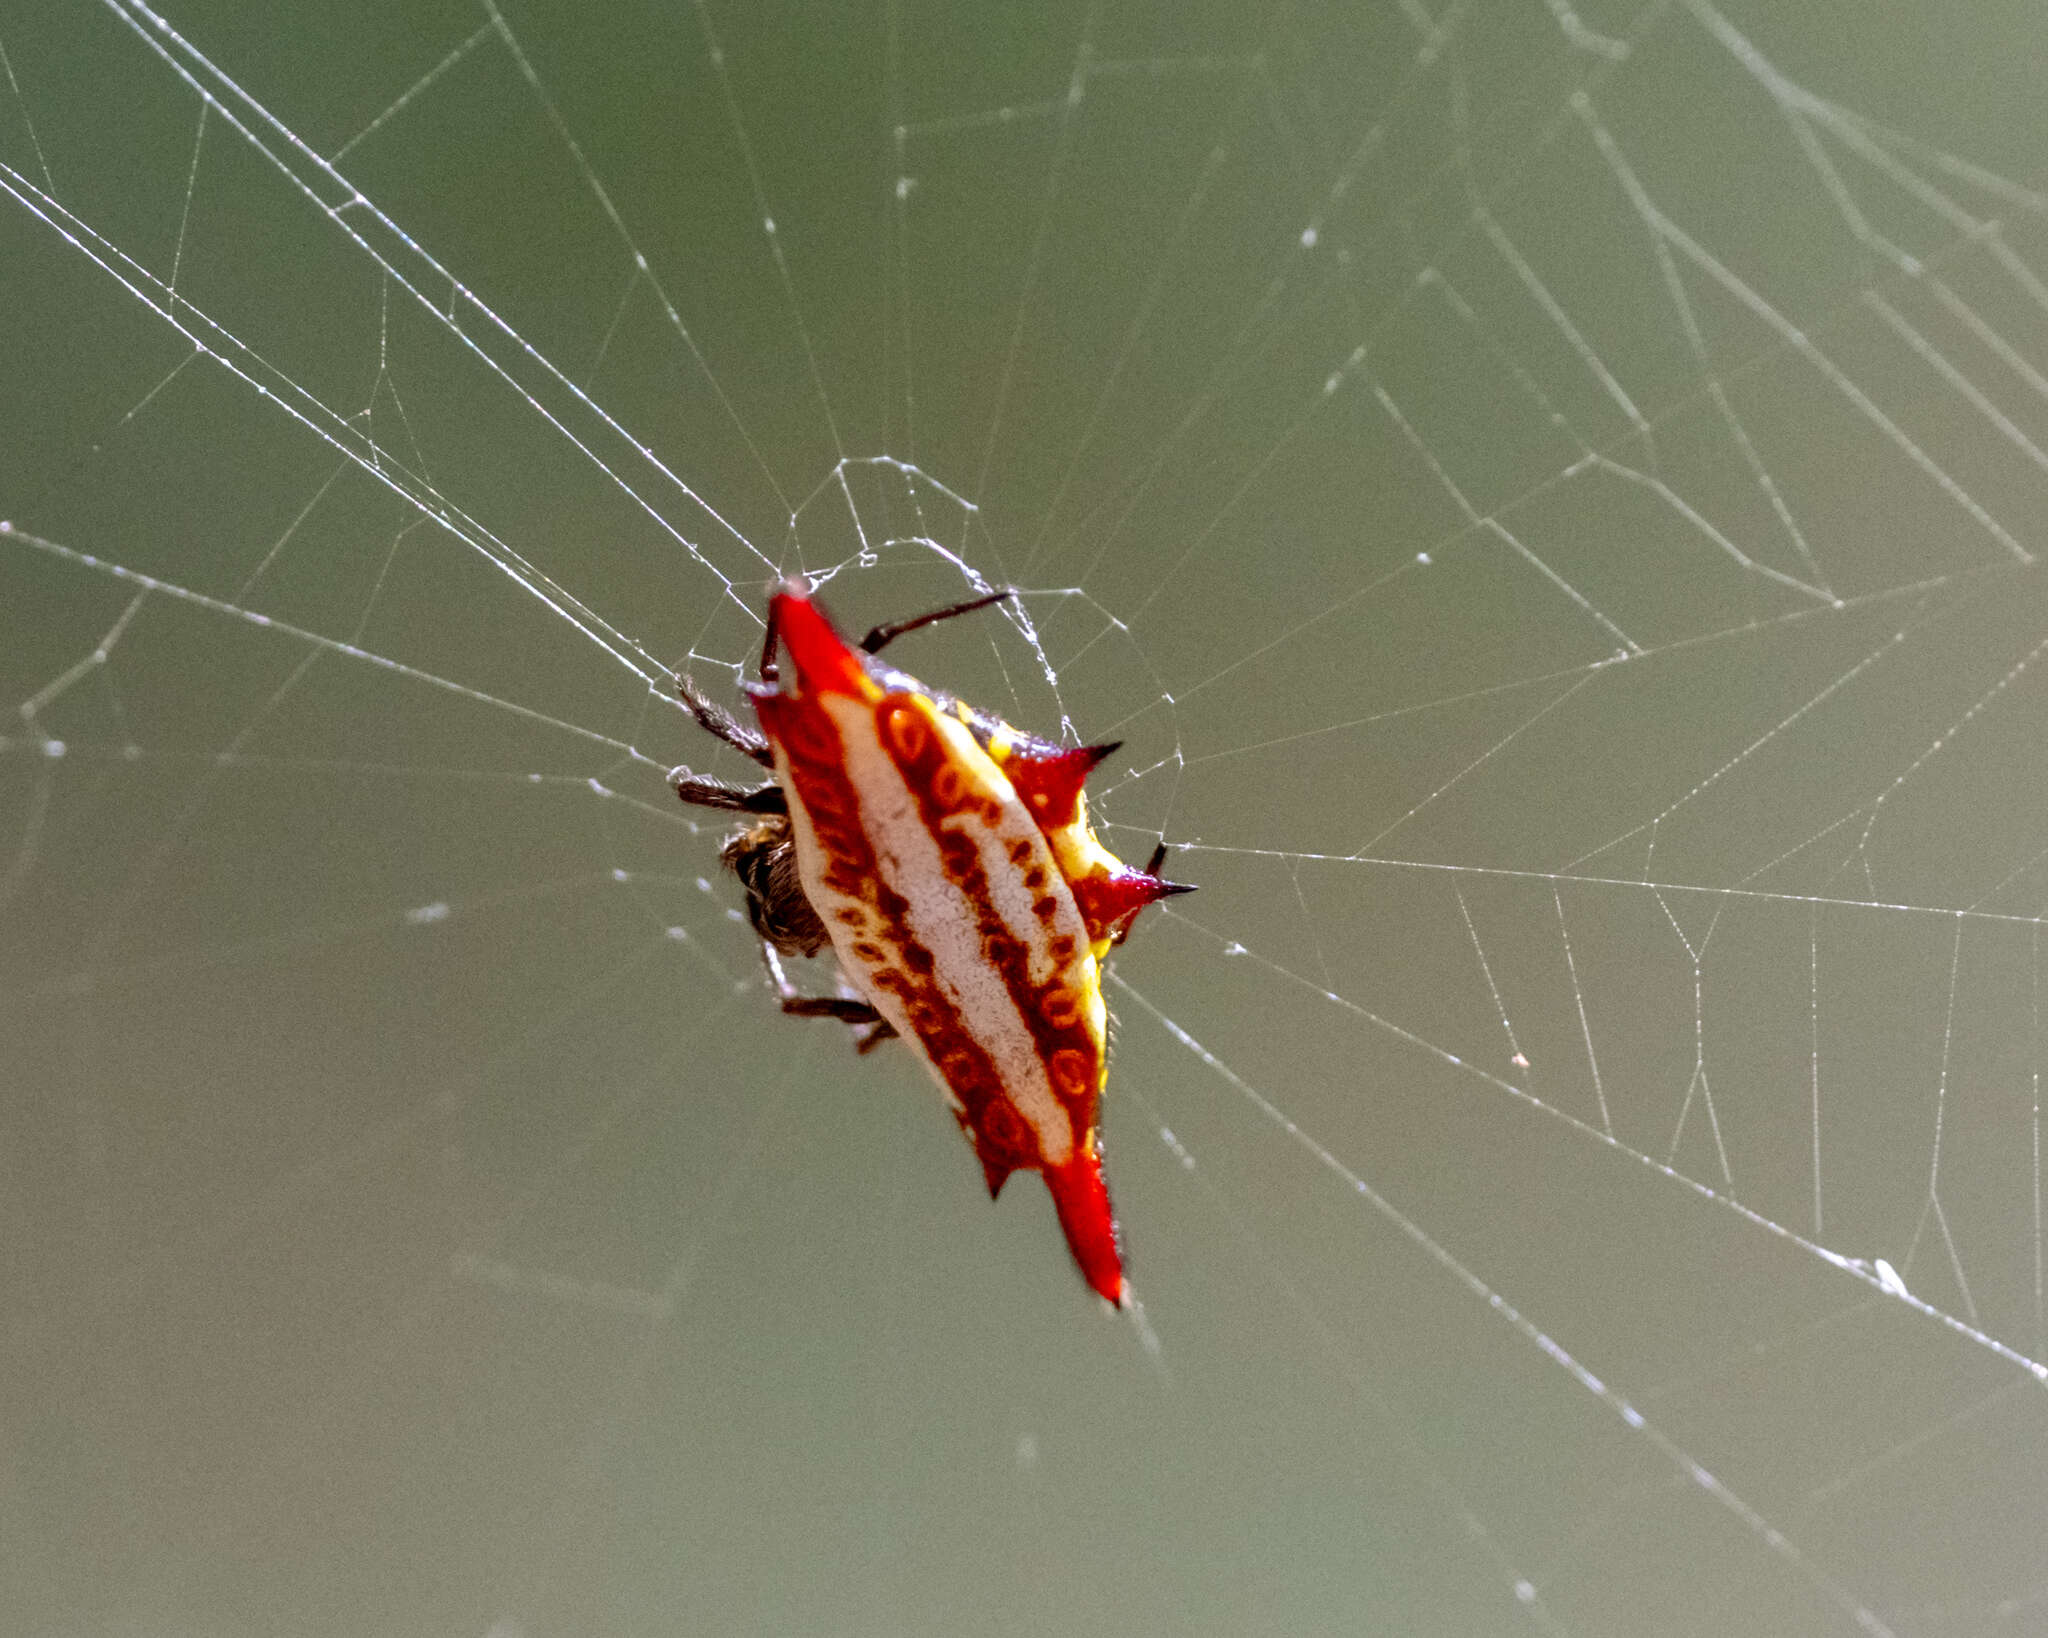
948 912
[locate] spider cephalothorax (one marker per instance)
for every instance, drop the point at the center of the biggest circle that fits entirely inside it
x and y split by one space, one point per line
949 861
763 857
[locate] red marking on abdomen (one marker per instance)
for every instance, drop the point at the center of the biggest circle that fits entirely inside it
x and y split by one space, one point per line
1082 1201
824 664
1048 781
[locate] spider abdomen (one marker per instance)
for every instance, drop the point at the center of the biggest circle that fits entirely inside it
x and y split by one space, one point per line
948 910
904 870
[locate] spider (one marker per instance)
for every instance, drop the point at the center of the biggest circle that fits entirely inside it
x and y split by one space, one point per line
948 860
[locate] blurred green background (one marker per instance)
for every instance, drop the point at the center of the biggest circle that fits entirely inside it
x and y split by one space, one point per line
1550 501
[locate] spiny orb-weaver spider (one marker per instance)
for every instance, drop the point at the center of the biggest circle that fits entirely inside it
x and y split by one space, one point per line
949 861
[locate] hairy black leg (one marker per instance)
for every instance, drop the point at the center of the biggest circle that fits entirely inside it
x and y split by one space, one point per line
844 1008
831 1006
882 636
700 790
716 720
768 671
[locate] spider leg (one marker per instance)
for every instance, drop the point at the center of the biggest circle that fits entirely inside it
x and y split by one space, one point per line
768 671
716 720
700 790
832 1006
883 635
847 1011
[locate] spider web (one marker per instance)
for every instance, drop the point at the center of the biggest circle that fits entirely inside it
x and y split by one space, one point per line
1548 499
